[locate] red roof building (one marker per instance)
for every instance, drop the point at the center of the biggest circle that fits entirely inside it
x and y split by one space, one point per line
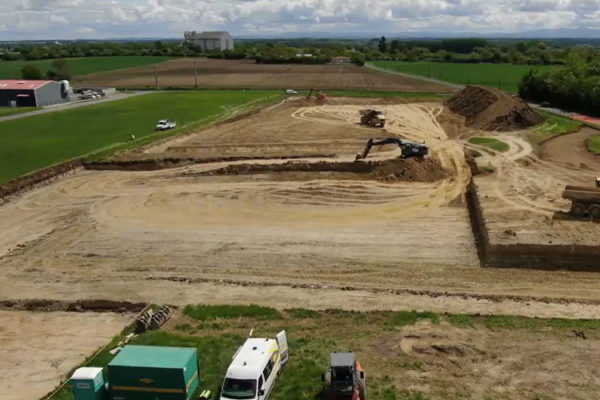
25 93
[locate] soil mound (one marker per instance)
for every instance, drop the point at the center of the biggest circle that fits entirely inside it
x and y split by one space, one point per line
493 110
403 170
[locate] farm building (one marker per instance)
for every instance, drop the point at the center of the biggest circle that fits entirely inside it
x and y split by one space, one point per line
210 40
20 93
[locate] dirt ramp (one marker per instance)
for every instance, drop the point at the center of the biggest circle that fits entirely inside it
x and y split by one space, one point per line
493 110
404 170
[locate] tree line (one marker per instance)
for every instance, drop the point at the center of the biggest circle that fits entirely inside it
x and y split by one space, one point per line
574 86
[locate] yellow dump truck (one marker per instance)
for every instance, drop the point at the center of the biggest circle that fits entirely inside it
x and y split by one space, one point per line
585 200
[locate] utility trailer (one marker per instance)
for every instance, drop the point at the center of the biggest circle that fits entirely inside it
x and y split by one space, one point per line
585 200
345 379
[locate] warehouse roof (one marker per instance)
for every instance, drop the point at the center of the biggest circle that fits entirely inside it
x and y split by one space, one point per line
153 356
12 84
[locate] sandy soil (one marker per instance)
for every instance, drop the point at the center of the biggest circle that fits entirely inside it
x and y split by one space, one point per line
39 349
506 364
520 199
247 74
317 239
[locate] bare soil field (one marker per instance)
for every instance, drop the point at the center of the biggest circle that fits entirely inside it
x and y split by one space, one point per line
317 238
40 348
247 74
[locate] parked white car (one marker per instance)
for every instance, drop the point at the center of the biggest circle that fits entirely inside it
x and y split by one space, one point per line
255 369
291 91
165 124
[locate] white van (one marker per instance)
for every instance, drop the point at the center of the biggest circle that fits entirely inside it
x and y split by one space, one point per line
255 368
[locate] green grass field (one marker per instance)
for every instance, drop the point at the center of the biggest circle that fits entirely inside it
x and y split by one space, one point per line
554 125
490 143
36 142
79 66
312 335
594 144
503 76
5 111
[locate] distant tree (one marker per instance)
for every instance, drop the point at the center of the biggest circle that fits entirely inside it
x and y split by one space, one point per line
382 46
59 70
31 72
358 59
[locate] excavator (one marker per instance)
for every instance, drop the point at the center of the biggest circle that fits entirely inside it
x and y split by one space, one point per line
345 379
409 149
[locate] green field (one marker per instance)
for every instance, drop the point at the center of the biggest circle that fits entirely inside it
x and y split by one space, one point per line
594 144
491 143
553 126
32 143
4 111
503 76
79 66
374 336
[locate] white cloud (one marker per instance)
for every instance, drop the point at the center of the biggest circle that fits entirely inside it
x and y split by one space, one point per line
23 19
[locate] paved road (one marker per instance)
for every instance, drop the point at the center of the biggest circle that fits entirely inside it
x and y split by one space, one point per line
75 104
387 71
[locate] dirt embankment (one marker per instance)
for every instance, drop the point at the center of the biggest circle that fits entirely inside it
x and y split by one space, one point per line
405 170
100 306
34 179
493 110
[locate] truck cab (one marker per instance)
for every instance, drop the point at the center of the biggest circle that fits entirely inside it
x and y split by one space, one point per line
255 368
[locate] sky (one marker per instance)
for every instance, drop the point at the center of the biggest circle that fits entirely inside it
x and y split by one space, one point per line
98 19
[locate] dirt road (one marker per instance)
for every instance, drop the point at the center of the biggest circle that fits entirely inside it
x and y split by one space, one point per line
39 348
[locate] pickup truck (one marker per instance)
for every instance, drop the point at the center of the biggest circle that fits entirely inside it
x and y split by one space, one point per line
165 124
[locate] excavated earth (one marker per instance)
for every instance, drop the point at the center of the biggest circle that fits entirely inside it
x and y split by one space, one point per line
489 109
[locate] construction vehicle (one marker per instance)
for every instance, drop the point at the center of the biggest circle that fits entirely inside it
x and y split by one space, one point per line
375 118
345 379
409 149
320 96
585 200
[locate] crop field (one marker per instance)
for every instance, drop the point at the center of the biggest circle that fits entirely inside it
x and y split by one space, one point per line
502 76
218 74
407 355
36 142
80 66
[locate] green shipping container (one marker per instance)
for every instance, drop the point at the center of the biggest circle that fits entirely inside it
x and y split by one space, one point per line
153 373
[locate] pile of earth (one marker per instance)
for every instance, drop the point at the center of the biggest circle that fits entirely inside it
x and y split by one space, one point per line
493 110
403 170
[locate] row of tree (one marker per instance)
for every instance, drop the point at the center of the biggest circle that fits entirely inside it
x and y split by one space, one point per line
574 86
58 71
285 51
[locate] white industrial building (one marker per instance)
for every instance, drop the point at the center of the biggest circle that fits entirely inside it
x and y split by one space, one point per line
210 40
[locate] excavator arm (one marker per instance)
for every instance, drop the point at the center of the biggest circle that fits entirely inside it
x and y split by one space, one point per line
380 142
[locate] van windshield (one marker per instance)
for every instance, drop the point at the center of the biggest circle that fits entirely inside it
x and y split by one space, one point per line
239 388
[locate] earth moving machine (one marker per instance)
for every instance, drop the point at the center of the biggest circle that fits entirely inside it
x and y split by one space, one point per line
376 118
585 200
409 149
320 96
255 368
345 379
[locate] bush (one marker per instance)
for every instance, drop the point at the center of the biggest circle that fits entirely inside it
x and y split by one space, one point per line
31 72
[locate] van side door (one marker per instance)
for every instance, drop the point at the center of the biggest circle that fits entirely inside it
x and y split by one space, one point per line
283 347
269 376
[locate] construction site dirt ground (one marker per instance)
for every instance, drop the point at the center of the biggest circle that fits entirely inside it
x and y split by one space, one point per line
522 200
39 348
222 232
248 74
